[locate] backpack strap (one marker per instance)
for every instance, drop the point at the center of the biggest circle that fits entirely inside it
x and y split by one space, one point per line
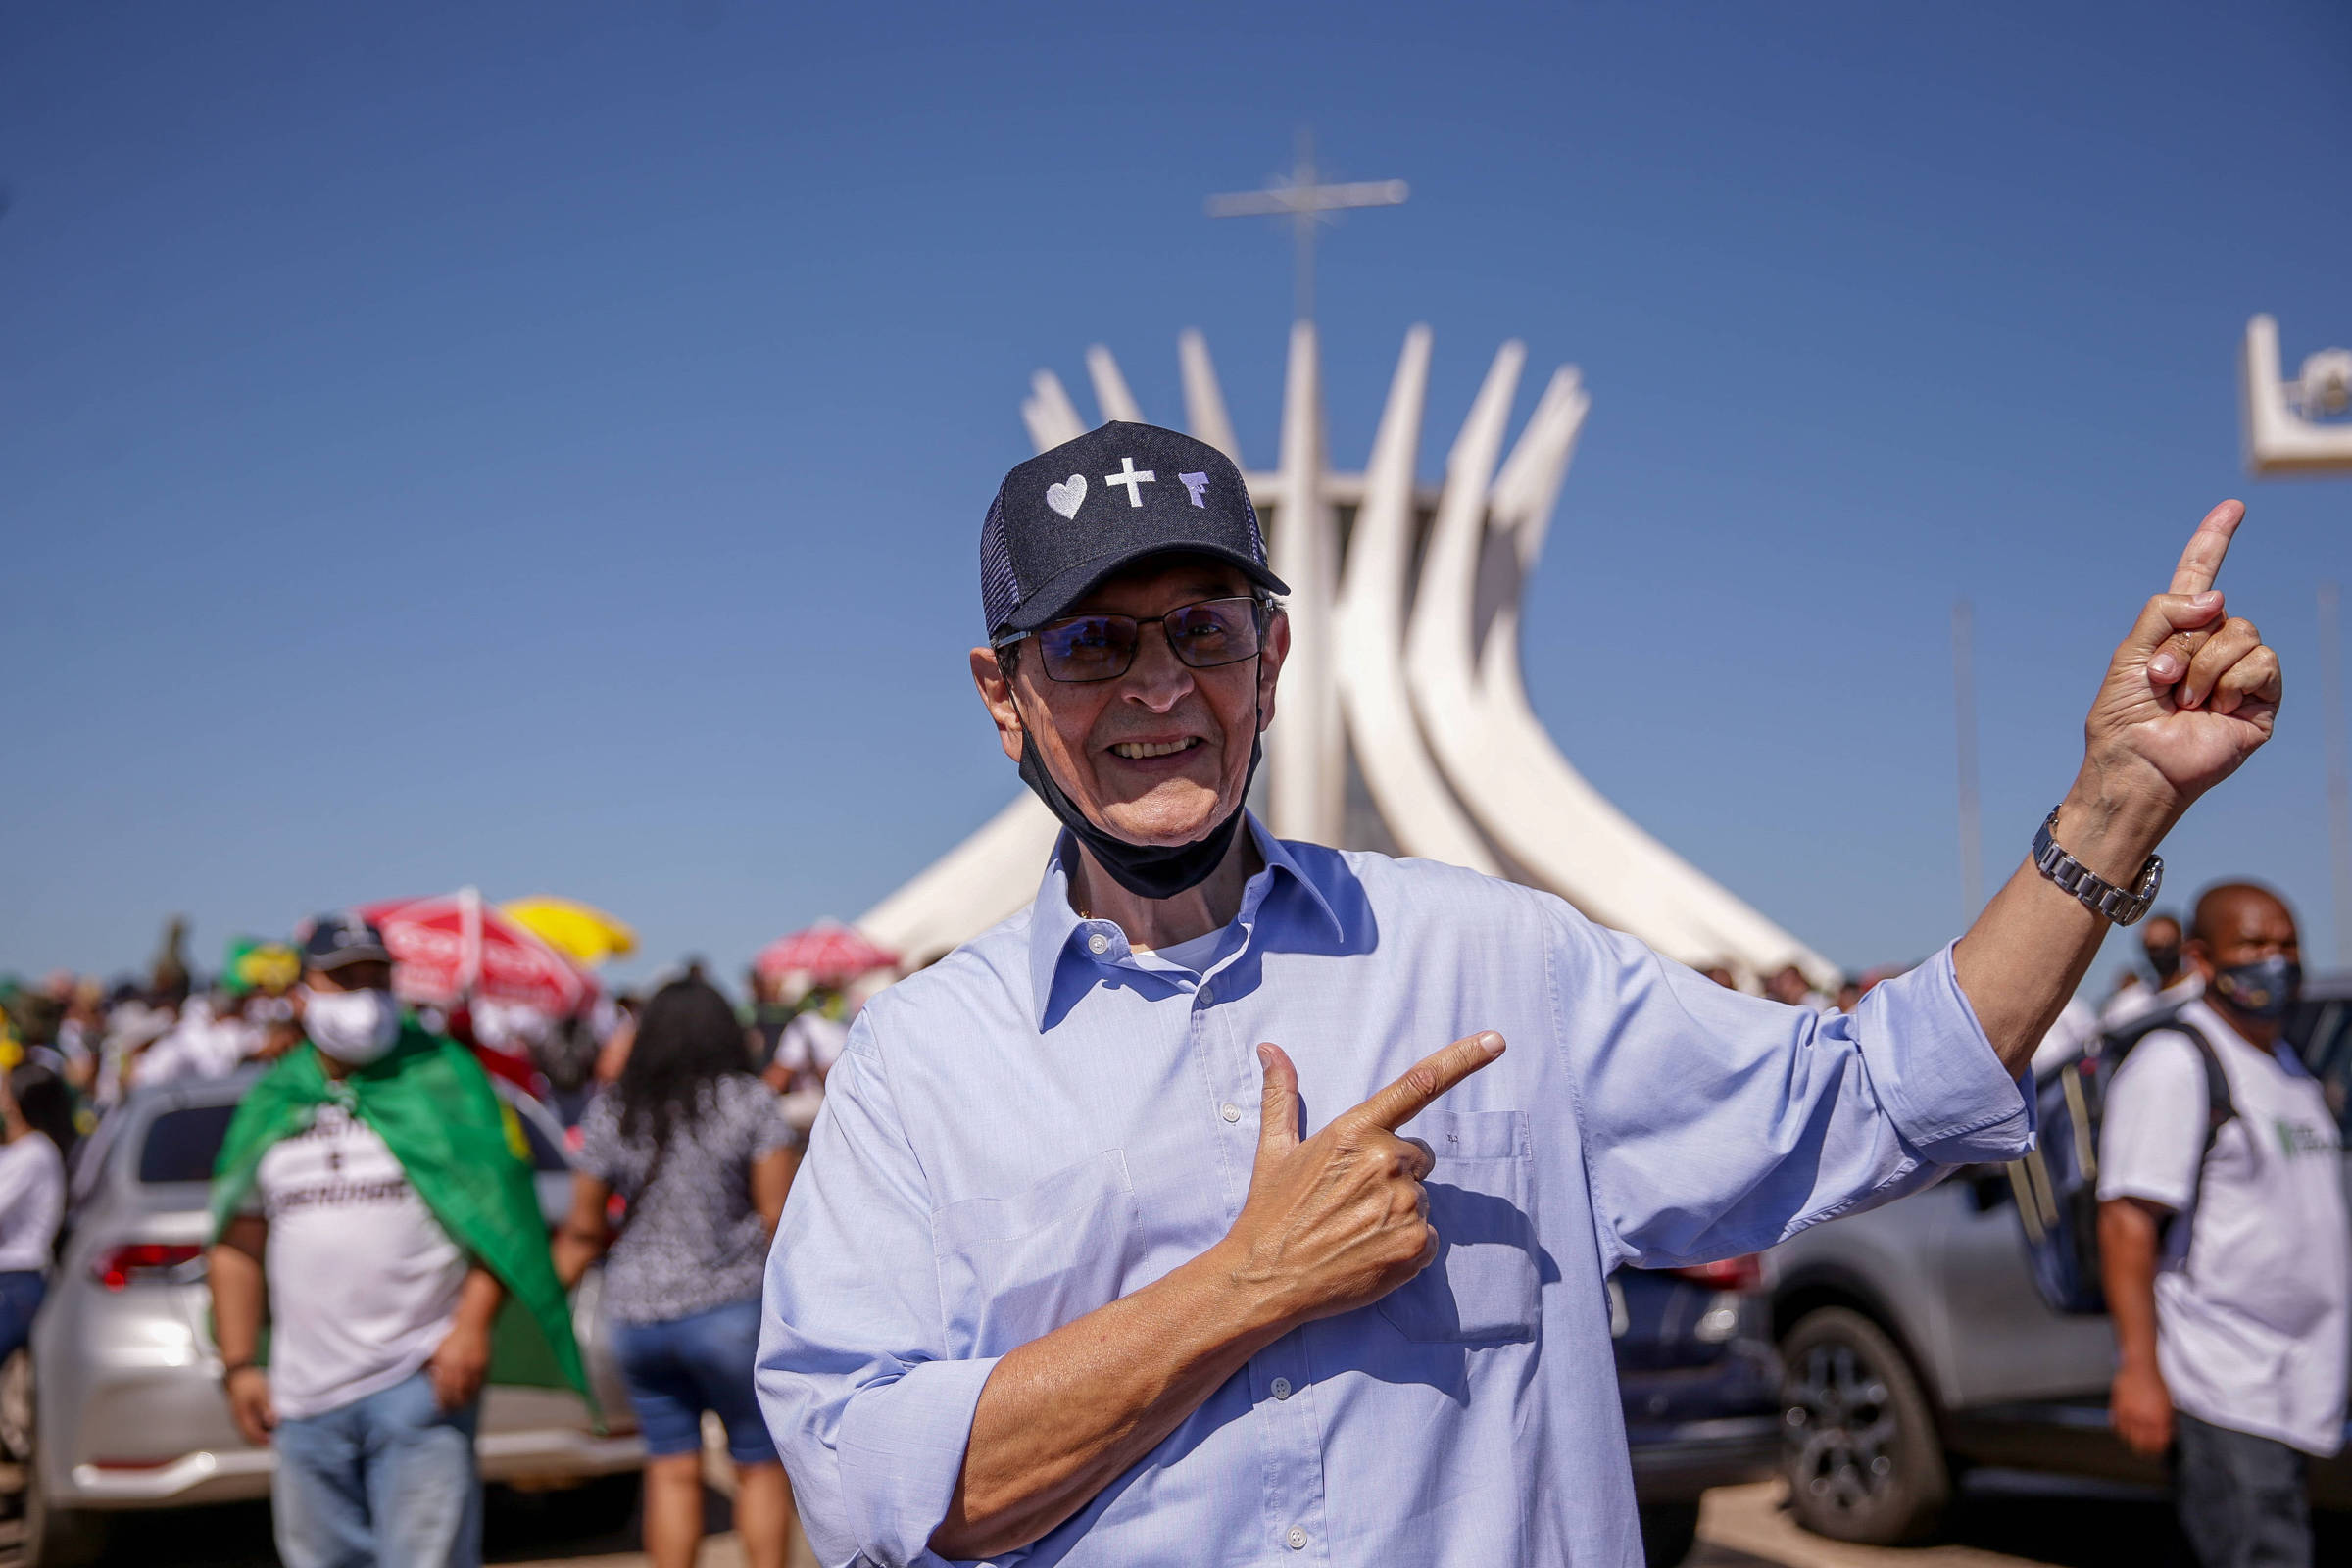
2219 1108
2219 1111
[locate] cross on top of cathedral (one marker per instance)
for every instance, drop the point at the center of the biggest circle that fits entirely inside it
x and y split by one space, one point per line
1305 203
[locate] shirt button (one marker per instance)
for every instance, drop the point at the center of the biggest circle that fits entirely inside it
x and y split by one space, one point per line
1098 943
1295 1539
1281 1388
1230 1111
1207 994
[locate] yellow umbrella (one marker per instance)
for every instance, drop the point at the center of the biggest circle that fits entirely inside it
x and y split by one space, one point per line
572 928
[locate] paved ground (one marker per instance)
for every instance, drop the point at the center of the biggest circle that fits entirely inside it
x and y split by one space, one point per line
1743 1527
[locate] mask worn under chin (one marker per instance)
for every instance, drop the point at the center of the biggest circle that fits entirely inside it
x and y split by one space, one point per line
355 1027
1148 870
2265 989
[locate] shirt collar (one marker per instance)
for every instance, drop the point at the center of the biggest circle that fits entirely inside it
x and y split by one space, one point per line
1057 935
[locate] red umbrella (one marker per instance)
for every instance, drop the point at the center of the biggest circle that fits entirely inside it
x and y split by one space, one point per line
452 946
828 951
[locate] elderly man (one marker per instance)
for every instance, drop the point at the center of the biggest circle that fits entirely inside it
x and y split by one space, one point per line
1045 1290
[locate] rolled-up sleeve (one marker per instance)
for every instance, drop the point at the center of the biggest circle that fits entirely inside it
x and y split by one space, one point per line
1715 1123
869 1416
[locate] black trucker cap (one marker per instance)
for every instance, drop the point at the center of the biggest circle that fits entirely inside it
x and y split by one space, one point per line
1067 518
340 937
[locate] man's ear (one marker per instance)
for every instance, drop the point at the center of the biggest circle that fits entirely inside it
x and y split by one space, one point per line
995 695
2195 954
1269 665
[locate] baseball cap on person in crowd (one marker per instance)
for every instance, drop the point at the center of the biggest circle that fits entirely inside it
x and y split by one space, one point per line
1067 518
341 937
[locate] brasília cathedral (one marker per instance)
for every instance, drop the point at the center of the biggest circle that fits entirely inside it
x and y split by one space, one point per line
1404 724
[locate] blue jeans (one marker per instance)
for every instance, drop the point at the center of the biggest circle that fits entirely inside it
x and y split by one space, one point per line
384 1481
2240 1496
678 1368
21 1294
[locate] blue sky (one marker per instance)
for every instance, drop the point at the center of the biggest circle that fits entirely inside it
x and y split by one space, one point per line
543 446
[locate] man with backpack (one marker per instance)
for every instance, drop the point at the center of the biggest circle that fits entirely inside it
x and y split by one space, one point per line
2224 1243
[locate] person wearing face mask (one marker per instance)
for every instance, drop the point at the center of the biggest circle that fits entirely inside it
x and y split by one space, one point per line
1160 1223
2177 981
2224 1250
378 1193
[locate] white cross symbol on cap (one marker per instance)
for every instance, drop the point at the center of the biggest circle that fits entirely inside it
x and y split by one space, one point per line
1133 481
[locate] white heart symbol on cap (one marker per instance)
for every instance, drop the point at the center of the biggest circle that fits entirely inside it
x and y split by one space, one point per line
1067 498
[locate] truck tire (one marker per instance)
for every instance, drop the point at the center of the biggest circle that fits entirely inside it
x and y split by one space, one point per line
1860 1449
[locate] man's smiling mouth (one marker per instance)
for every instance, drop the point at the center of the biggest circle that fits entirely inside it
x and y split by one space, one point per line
1137 751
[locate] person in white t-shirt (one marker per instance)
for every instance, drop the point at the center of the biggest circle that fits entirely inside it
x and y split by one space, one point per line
379 1322
811 1044
2175 981
36 1123
2077 1026
2227 1254
212 1040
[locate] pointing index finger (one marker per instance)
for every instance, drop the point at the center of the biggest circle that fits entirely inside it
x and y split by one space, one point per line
1427 1079
2201 560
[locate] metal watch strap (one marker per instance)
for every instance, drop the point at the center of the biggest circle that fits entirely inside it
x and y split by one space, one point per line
2100 896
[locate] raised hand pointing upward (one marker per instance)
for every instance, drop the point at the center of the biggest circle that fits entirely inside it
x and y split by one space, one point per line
2192 693
1341 1219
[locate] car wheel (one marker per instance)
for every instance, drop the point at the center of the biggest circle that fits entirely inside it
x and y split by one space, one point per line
1669 1530
1860 1449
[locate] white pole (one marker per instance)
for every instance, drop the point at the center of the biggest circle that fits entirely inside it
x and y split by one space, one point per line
2340 775
1964 719
470 941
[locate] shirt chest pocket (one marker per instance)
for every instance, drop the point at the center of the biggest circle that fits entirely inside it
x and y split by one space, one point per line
1482 1286
1013 1269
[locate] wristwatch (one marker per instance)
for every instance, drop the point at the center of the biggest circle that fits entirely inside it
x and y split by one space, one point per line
2102 897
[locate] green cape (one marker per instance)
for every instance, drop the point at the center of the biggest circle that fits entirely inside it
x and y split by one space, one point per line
464 1153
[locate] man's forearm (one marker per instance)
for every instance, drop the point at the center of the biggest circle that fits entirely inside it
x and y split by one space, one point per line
1064 1416
2128 1245
479 1300
236 1285
2030 948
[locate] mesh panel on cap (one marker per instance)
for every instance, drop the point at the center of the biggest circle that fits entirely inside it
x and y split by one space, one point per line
999 588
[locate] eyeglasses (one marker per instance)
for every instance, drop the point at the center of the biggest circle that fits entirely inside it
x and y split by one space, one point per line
1212 632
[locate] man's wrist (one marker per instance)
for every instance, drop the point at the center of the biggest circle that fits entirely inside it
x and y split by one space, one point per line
1249 1306
466 1326
2113 833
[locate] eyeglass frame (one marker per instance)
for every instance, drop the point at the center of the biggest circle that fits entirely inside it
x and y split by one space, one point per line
1264 607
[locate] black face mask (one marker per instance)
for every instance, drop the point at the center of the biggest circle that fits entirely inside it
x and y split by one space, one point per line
2265 989
1148 870
2166 962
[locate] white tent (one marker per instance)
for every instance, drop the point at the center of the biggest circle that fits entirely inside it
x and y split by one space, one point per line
1404 724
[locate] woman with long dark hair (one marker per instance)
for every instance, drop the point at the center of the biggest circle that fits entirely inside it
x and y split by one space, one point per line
698 1147
37 1134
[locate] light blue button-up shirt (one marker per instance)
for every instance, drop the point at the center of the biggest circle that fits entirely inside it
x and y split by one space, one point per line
1047 1120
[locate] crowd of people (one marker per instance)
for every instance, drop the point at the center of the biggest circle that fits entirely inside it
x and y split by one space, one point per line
687 1118
352 1218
